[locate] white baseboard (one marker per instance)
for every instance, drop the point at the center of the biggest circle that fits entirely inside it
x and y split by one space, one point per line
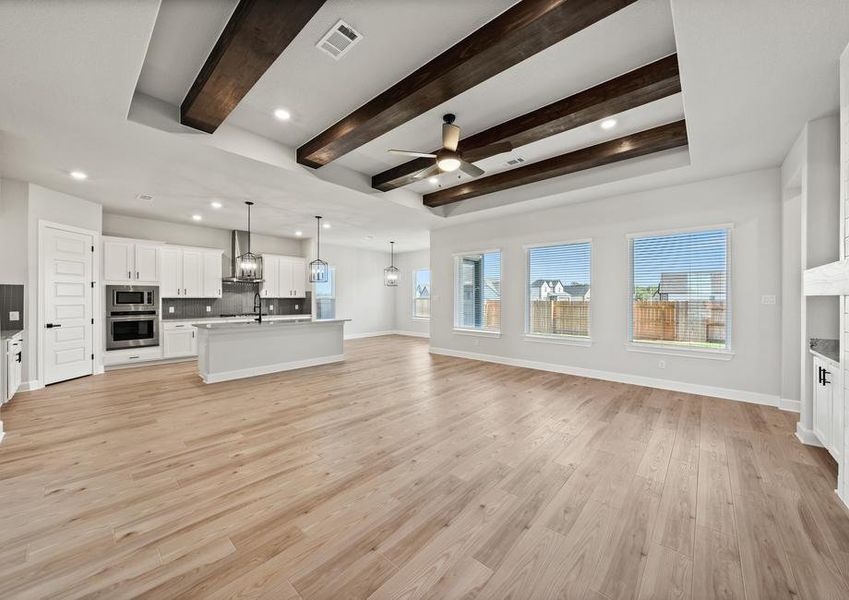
807 436
790 405
419 334
268 369
28 386
663 384
368 334
149 363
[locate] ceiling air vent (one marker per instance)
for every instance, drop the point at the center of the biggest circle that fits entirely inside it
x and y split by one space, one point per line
339 40
515 161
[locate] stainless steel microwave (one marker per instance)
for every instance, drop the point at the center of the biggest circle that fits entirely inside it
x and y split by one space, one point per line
131 298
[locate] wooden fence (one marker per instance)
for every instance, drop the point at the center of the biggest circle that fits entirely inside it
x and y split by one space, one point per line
669 321
560 317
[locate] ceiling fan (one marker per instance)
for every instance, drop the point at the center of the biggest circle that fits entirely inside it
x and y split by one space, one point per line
449 159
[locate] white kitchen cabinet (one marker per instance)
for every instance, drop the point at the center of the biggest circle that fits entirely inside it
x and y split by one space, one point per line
828 406
178 340
171 272
285 276
212 272
130 261
270 287
192 273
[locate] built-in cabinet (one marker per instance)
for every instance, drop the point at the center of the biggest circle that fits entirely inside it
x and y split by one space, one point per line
130 262
284 276
828 405
179 340
190 272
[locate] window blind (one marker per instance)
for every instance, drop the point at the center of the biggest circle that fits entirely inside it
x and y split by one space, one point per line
421 294
559 284
477 291
680 289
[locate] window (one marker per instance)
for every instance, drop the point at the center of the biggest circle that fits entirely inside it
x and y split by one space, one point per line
559 290
477 291
325 296
421 294
679 286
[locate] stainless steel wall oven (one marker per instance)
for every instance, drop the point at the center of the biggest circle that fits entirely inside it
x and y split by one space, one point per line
132 316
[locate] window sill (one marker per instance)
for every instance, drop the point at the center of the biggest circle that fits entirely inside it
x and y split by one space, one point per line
421 318
477 332
683 352
565 340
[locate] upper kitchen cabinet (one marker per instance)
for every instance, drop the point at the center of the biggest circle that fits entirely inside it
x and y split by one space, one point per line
130 261
284 276
190 272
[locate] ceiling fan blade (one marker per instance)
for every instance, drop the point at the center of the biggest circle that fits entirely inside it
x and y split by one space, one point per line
412 153
450 136
431 170
470 169
477 154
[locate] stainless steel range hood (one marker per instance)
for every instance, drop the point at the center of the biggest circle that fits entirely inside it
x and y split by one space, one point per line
239 245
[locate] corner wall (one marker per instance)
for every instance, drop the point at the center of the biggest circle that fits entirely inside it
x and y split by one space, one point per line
750 201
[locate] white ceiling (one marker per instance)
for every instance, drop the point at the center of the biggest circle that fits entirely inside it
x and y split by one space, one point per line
752 74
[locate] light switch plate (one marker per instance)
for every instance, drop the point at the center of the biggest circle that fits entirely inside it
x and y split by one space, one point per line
170 309
208 309
271 308
14 315
768 299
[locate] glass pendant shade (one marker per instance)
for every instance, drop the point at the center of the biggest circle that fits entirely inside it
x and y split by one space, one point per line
318 268
391 274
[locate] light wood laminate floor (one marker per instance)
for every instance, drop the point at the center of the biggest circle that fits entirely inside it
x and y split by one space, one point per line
398 474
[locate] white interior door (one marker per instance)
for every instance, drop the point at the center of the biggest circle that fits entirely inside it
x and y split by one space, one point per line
66 265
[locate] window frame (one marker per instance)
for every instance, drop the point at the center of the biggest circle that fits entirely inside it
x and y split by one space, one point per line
415 317
726 353
331 273
569 340
456 329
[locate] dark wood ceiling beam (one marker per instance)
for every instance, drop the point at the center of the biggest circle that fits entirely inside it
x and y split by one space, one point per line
661 138
635 88
521 31
256 34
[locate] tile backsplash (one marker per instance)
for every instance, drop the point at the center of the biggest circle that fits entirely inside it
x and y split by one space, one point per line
236 298
11 301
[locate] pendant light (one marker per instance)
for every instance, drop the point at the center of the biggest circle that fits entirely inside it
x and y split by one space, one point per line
391 273
249 263
318 268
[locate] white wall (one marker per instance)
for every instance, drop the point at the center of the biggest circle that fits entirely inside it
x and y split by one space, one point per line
193 235
750 201
408 263
360 293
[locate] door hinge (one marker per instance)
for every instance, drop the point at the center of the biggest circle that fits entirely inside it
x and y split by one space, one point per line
92 357
92 248
92 285
92 321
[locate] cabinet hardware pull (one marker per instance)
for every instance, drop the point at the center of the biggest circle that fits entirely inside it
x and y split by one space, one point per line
137 274
129 274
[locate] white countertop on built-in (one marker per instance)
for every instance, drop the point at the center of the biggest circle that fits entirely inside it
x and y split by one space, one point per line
240 319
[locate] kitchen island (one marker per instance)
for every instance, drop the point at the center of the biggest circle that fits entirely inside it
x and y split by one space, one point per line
236 350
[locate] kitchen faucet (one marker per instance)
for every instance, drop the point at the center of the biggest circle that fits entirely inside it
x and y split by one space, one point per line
258 307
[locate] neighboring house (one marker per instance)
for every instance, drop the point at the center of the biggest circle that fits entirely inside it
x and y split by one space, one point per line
422 290
703 285
554 289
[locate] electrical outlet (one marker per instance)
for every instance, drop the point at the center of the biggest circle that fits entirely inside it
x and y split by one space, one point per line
768 299
208 309
297 307
14 315
170 309
661 364
270 308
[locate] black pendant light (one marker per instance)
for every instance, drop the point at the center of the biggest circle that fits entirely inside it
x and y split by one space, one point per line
249 263
318 268
391 273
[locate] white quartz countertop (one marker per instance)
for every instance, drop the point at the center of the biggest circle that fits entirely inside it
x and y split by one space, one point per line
248 325
304 317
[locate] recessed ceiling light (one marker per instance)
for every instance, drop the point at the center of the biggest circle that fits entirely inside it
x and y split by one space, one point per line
145 197
608 124
433 180
79 175
281 114
326 225
215 204
197 218
299 233
369 237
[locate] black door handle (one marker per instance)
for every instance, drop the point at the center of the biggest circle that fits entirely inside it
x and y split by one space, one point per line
52 325
819 375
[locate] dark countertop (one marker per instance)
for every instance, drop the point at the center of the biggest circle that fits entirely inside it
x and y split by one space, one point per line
829 349
9 333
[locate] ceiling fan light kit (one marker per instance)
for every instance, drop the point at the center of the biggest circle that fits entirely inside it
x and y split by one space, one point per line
448 159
